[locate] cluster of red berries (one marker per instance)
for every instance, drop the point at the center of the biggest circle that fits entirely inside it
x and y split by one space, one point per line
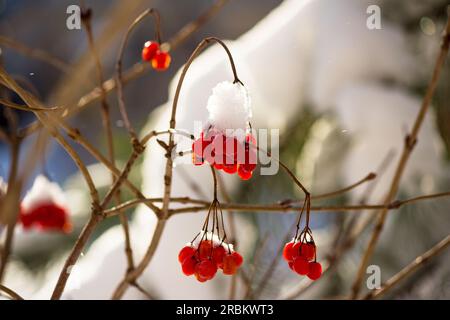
160 59
204 260
301 257
226 153
46 216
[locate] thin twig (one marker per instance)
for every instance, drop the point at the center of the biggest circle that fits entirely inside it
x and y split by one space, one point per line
271 207
106 121
119 76
35 54
10 292
26 108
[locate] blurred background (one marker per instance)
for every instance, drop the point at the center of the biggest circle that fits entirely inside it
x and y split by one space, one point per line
343 97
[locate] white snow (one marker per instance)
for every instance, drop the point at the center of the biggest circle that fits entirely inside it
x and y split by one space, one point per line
229 106
43 191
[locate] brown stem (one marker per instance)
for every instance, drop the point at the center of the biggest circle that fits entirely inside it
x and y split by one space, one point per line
367 178
409 143
35 54
10 292
74 255
11 220
233 239
119 77
26 108
271 207
106 120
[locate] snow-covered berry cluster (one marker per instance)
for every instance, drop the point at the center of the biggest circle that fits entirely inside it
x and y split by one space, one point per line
204 258
226 143
159 59
44 207
300 255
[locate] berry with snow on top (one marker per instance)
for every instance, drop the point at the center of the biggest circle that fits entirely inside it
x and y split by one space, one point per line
204 257
300 254
225 142
44 207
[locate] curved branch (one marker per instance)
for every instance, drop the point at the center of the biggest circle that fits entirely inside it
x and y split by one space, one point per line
200 47
119 78
10 292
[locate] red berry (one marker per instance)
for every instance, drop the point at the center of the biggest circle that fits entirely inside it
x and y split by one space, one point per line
197 152
230 147
301 266
288 252
205 249
244 174
186 252
217 165
188 266
231 262
296 250
217 256
291 265
230 168
229 265
308 251
206 269
161 61
47 216
238 260
200 278
315 270
149 50
249 167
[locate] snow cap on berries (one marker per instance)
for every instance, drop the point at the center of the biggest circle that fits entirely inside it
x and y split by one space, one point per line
43 192
210 237
229 106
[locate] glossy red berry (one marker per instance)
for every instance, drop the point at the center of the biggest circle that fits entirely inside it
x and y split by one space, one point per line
200 278
205 249
231 263
149 50
314 270
308 251
230 168
288 252
217 256
291 265
206 269
301 266
186 252
188 266
244 174
238 260
161 61
229 266
47 216
296 250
